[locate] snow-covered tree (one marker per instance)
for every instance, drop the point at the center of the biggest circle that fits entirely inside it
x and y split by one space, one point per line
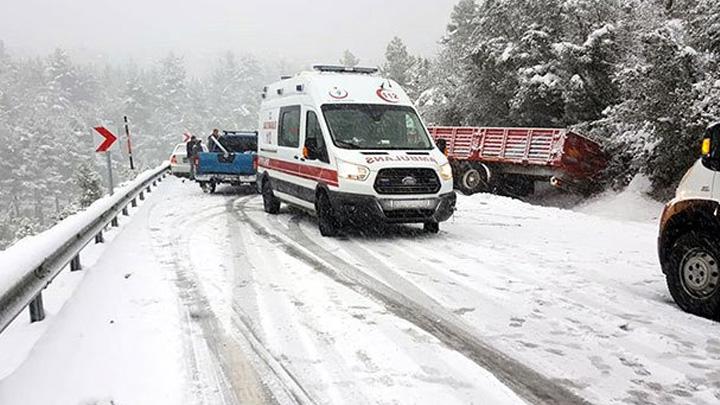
348 59
89 183
398 62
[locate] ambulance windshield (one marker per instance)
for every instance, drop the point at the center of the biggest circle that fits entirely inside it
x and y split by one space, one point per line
372 126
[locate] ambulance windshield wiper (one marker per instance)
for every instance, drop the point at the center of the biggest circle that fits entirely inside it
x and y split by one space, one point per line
347 144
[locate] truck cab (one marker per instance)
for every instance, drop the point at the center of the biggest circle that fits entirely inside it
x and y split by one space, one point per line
348 145
689 237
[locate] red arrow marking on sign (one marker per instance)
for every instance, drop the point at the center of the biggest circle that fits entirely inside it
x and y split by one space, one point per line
186 137
109 139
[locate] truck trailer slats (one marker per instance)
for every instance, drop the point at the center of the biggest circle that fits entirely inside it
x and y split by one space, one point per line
536 153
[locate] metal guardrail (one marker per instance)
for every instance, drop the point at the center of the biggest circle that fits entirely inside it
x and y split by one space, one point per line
26 290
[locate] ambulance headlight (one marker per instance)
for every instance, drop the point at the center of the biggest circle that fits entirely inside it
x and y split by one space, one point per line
446 171
352 171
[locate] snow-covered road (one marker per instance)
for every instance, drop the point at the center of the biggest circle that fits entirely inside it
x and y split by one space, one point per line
509 303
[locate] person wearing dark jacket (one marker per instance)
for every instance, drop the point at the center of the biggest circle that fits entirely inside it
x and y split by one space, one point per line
190 153
213 141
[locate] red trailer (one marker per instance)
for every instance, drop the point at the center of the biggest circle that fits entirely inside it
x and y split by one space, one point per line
514 158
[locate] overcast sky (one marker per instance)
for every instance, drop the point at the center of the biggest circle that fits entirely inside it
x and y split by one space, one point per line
301 31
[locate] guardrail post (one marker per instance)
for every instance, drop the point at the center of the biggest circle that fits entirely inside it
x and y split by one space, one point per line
75 263
114 222
154 183
125 211
148 189
99 238
37 310
133 202
142 196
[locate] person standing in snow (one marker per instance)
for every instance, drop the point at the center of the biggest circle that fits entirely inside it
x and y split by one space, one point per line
197 148
190 153
213 141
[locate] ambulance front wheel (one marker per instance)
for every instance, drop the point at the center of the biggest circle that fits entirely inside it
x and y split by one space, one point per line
327 220
271 204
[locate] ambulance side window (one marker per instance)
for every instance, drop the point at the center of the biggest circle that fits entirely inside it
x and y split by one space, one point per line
313 131
289 131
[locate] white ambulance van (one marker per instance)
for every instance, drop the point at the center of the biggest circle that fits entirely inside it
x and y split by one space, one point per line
689 239
349 146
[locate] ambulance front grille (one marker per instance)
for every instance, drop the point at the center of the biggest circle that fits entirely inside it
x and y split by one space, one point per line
407 180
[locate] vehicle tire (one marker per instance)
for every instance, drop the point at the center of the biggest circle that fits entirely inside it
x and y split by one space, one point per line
212 187
693 273
431 227
471 179
271 204
204 186
327 220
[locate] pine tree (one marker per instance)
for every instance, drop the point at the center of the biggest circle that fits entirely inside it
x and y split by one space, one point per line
88 181
398 62
348 59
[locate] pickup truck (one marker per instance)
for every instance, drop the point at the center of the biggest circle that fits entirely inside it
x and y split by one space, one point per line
510 160
233 161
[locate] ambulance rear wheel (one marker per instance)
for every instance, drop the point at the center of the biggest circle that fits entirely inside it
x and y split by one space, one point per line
431 227
327 220
271 204
693 276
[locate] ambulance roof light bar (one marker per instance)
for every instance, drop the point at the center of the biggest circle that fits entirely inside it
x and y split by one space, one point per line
345 69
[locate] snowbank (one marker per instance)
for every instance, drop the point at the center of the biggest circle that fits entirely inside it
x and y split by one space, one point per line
631 204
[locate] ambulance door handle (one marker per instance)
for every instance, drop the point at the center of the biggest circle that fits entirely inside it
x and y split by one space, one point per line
298 157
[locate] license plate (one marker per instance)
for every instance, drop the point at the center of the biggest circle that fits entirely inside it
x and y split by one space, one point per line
411 204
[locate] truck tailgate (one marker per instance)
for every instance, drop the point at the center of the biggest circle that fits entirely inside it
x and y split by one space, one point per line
233 163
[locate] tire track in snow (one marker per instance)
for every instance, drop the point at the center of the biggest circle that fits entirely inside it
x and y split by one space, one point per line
234 375
420 310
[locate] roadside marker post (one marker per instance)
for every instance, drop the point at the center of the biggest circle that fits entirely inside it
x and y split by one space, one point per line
129 144
105 147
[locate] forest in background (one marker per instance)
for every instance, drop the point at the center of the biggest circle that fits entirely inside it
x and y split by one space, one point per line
641 76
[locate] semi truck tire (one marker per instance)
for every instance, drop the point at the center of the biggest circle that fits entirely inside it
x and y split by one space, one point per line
271 204
472 179
693 273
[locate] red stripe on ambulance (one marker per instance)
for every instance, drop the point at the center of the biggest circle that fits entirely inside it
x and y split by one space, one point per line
319 174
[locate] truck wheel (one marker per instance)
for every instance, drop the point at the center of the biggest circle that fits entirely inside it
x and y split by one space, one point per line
693 276
212 187
431 227
471 180
271 204
204 186
327 221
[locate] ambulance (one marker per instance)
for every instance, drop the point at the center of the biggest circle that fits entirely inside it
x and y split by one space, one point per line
350 147
689 238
